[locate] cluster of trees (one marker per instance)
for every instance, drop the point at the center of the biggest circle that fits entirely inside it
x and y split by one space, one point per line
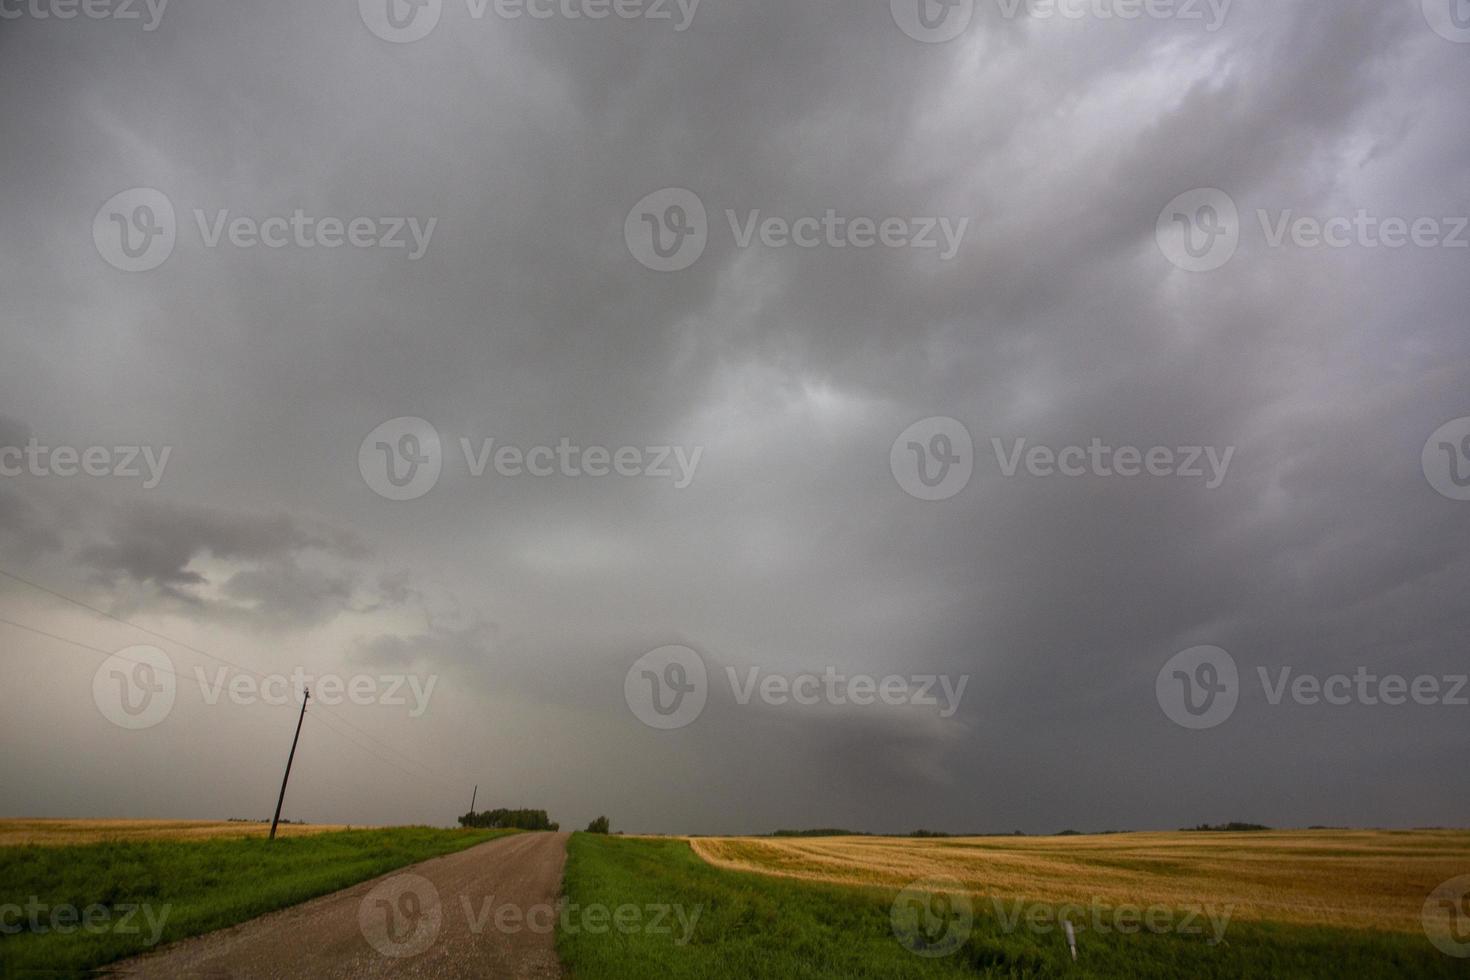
509 820
1224 828
598 826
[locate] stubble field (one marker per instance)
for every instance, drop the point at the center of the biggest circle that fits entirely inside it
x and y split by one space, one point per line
1353 879
17 832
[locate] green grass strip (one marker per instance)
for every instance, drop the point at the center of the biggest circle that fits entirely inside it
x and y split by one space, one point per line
751 925
186 887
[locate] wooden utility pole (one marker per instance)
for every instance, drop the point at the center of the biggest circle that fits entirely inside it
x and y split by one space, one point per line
472 799
282 799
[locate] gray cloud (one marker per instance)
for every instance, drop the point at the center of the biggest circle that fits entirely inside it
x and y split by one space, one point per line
527 320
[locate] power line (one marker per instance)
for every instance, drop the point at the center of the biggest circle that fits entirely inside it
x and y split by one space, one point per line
401 754
86 646
118 619
322 720
204 653
318 717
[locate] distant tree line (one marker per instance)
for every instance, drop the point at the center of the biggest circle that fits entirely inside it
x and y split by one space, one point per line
598 826
509 820
1234 827
835 832
1226 828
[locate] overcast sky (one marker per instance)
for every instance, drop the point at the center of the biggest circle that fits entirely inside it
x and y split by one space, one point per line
1033 283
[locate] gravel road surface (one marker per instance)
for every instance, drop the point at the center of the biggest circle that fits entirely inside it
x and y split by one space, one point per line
488 912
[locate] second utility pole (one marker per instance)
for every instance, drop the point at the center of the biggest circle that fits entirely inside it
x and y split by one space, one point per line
282 799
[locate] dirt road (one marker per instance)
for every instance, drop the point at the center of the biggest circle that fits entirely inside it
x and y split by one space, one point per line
488 912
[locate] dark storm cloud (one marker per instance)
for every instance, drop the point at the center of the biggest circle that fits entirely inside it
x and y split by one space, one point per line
24 529
527 320
270 572
152 542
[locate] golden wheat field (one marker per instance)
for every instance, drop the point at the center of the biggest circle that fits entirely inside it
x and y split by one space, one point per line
1368 879
14 832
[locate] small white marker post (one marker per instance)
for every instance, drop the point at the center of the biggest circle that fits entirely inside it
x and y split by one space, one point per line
1071 938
